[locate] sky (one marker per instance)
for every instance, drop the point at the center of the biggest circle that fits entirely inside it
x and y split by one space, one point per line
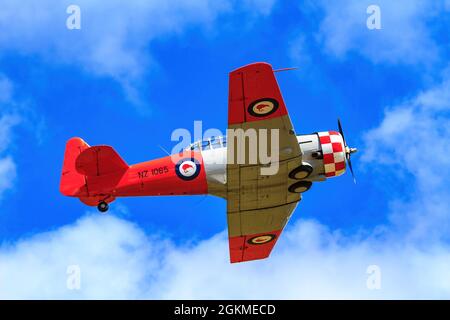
135 71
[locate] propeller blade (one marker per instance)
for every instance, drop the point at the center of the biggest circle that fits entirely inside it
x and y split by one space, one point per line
348 150
341 131
351 168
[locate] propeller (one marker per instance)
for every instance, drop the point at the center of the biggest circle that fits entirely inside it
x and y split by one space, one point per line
348 150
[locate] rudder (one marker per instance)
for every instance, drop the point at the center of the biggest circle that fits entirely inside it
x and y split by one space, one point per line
72 183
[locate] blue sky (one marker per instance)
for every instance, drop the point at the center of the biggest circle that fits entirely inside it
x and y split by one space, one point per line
137 71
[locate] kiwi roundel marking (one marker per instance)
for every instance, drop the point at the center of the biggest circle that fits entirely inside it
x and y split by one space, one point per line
263 107
263 239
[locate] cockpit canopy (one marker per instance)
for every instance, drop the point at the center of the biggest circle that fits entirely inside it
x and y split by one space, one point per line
208 144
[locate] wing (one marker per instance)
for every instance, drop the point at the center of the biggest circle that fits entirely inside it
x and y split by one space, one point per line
258 205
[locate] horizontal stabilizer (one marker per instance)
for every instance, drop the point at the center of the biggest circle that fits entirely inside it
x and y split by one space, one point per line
99 160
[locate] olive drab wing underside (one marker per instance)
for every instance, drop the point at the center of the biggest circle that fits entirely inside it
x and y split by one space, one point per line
258 204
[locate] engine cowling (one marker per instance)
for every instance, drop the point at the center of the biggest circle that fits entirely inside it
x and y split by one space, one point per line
333 153
325 152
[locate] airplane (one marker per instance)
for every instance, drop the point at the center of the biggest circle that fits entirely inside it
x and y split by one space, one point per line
258 205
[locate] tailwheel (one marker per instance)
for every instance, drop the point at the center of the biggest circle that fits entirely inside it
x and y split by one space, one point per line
103 207
300 187
301 172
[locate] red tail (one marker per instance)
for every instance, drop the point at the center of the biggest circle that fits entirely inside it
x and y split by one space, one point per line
91 173
73 183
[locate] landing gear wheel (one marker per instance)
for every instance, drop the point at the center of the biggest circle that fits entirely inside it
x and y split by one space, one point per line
103 207
300 187
301 172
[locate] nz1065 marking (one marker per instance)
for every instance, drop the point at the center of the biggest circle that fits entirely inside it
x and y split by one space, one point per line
154 172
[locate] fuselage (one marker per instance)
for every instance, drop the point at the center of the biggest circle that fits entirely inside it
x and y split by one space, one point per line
202 167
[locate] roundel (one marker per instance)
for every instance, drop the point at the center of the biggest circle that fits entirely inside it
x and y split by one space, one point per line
263 107
266 238
187 169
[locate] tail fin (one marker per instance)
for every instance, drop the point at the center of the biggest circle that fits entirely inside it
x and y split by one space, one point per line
72 183
84 168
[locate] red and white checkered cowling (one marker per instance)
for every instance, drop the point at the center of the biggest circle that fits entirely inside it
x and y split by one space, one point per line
333 150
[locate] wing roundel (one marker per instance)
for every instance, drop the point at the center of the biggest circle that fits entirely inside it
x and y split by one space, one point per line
254 94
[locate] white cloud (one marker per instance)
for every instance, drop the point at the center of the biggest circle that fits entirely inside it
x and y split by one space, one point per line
6 89
115 35
7 174
111 262
414 139
8 120
298 51
310 262
405 35
13 113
